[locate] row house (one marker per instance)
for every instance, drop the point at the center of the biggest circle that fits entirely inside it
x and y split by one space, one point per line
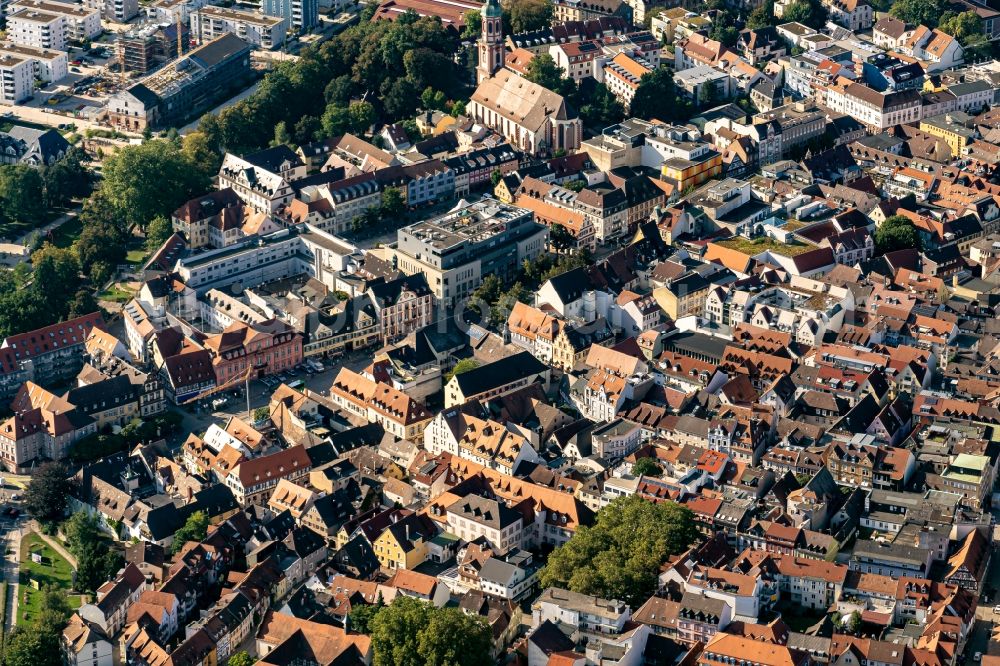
877 111
253 481
378 402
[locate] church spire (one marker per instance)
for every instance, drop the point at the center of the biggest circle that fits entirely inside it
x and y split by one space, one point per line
491 49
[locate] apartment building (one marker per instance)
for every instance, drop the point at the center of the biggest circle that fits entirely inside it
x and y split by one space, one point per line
299 15
263 182
82 23
377 402
41 30
17 76
333 206
622 75
877 111
590 615
456 250
48 65
210 22
119 11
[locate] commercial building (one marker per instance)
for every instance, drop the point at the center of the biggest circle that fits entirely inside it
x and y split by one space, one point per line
456 250
211 22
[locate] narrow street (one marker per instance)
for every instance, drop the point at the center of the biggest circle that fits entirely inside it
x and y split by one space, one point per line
985 617
12 534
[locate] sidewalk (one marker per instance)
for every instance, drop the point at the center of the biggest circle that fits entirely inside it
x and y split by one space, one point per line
54 543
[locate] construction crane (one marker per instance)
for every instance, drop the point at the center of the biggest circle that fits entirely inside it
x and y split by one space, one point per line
180 39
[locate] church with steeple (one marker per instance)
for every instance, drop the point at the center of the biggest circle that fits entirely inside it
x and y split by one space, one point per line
491 49
533 119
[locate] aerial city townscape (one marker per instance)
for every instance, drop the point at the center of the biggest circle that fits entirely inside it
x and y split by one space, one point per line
525 332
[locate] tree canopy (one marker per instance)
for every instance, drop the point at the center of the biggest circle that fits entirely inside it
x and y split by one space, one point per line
195 528
619 556
896 233
646 467
47 495
410 632
95 561
149 180
392 62
527 15
917 12
38 642
809 12
656 97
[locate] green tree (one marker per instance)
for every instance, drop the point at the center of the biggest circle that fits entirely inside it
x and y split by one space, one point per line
362 115
336 121
392 203
282 137
142 182
598 106
198 150
761 17
619 556
21 193
157 233
487 293
463 365
195 528
95 561
361 616
411 632
918 12
46 496
528 15
66 179
809 12
543 70
961 26
472 24
896 233
646 467
339 91
241 658
505 303
656 97
33 645
560 238
725 33
433 100
854 622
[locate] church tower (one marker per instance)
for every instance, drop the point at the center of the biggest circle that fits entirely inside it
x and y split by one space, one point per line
491 49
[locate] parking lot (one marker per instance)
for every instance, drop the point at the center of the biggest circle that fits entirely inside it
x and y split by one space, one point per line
198 417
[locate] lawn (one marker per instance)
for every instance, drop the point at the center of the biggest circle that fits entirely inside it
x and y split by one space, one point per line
137 256
54 570
763 243
67 233
115 294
